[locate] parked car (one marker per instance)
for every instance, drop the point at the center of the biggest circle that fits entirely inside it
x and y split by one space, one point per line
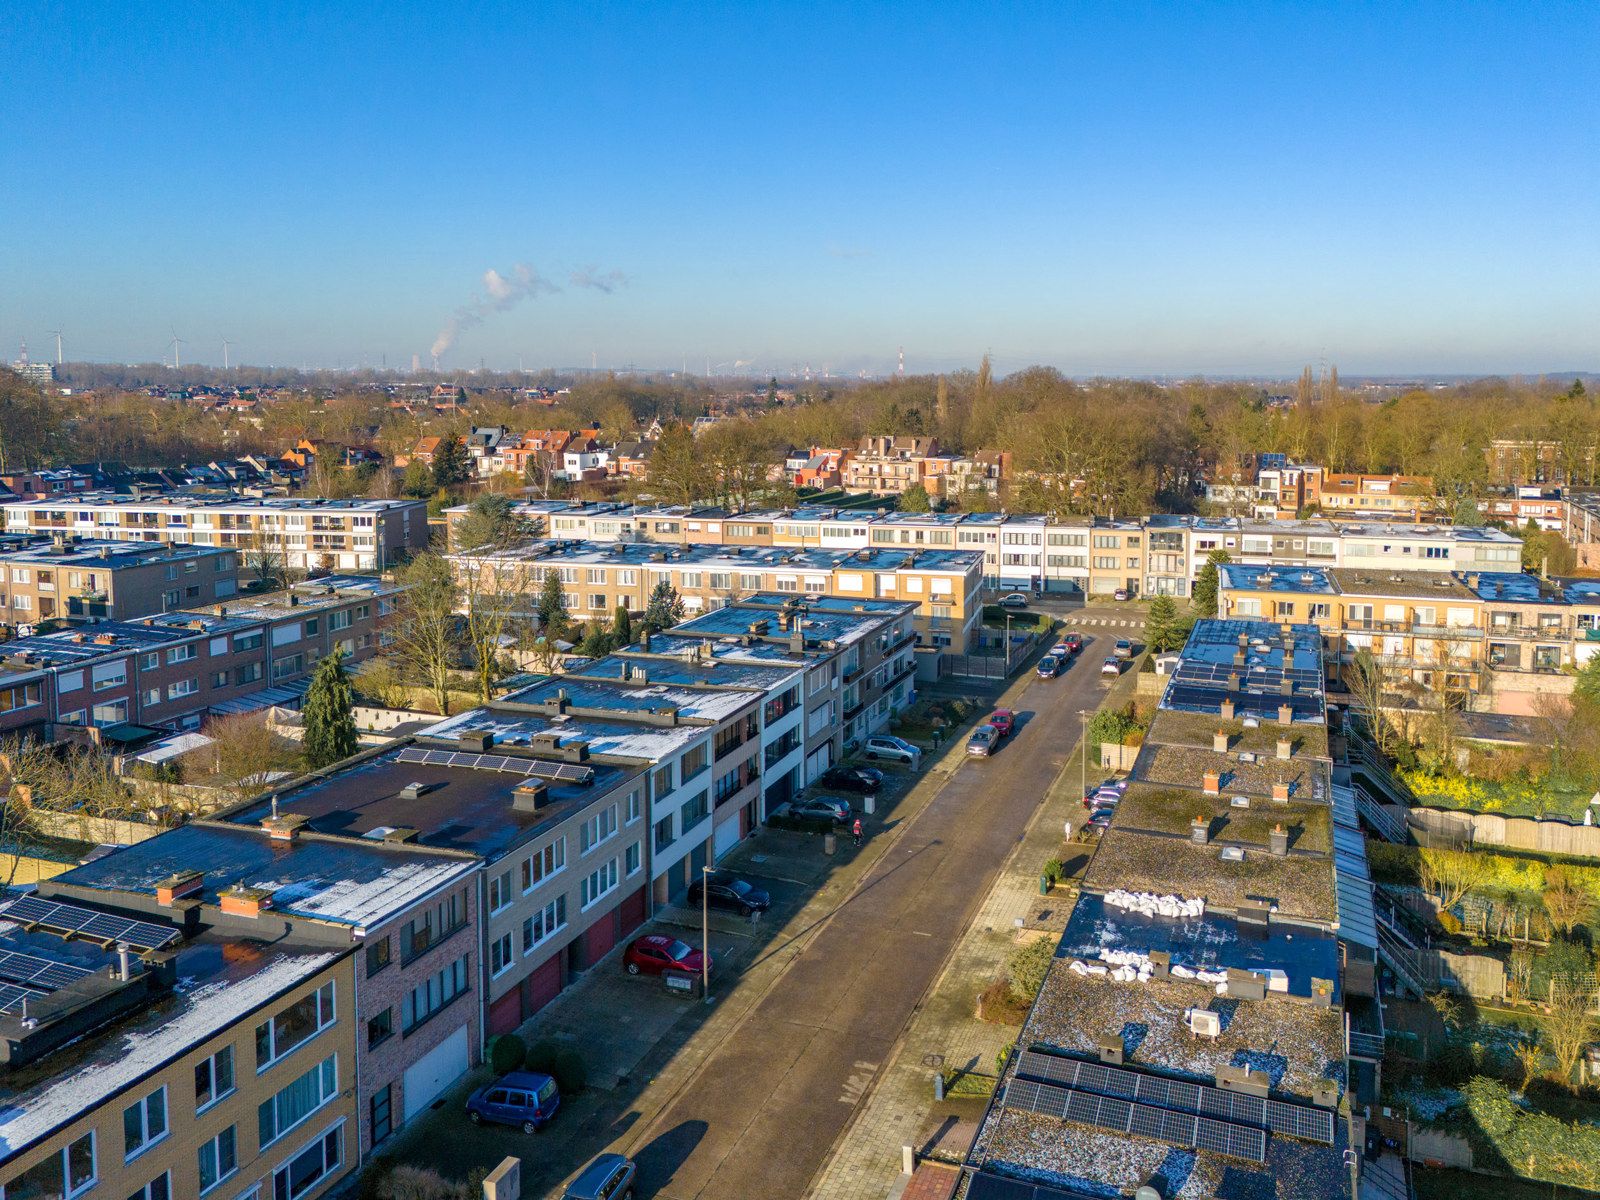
1111 666
984 741
893 750
608 1177
1123 648
735 895
1101 819
1014 600
525 1098
1073 642
821 808
852 779
1049 666
1004 720
1120 594
653 954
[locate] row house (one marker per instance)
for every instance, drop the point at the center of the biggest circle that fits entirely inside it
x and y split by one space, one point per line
1378 497
212 1019
1545 507
820 468
167 670
944 586
74 580
305 534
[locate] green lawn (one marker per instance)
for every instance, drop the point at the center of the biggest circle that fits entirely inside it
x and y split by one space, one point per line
1437 1183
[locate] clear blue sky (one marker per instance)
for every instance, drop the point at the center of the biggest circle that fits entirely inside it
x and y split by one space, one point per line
1106 188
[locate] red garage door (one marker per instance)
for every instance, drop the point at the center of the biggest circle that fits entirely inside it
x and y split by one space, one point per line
505 1014
543 986
599 938
632 911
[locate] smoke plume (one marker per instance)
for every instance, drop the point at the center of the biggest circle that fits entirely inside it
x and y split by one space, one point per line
500 293
600 281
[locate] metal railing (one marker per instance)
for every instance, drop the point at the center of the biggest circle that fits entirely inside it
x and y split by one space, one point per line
1383 822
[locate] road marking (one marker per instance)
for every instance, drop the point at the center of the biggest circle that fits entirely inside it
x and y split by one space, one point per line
855 1087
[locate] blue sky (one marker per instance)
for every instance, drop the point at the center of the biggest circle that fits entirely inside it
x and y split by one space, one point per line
1217 188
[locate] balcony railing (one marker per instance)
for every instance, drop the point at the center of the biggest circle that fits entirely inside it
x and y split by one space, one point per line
1532 633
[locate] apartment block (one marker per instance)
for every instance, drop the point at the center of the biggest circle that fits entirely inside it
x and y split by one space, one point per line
305 534
72 580
889 464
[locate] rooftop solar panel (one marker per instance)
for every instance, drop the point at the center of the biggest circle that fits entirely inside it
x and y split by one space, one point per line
38 972
69 919
12 996
1121 1116
564 772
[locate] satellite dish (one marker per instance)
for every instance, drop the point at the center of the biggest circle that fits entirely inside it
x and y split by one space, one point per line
1147 1193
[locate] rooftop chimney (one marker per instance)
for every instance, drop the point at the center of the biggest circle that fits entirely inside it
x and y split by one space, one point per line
1212 783
1200 831
283 827
1278 841
529 797
179 885
1219 742
1233 681
242 901
1280 792
1285 714
1110 1050
1244 640
1285 748
1227 709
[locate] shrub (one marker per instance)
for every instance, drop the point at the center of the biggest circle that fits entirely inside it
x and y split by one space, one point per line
541 1056
571 1072
998 1004
1533 1144
1449 922
507 1053
1027 967
1003 1057
1054 871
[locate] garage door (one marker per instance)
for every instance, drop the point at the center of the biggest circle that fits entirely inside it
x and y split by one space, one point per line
543 986
435 1071
505 1014
727 834
599 938
632 911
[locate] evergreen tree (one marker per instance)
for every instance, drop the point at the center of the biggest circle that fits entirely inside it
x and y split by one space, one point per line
596 641
621 626
330 727
665 608
1160 624
552 606
1204 601
915 499
450 463
418 480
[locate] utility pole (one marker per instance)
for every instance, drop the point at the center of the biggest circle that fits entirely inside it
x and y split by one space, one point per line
1083 749
705 932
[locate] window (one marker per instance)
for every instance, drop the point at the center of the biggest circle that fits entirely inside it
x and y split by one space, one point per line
298 1100
661 781
219 679
308 1168
247 641
635 807
499 891
249 673
152 696
695 760
501 958
294 1026
291 664
431 927
114 713
184 687
218 1159
663 833
548 920
382 1122
113 675
632 860
426 999
68 1172
543 864
213 1079
159 1188
380 1028
179 654
341 619
597 829
378 956
693 812
598 883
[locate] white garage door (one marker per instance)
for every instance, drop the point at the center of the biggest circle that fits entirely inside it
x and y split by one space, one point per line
727 836
435 1071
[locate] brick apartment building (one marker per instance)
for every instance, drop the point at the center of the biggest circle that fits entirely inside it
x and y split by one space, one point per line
75 580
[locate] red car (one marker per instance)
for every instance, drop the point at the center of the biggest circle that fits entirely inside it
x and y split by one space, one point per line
1073 642
1003 720
653 954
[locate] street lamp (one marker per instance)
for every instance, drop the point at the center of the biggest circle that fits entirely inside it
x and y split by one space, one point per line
705 931
1083 749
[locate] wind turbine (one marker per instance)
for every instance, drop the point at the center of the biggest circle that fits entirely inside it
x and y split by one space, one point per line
225 344
56 333
176 342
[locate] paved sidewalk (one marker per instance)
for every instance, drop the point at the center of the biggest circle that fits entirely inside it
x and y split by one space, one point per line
901 1111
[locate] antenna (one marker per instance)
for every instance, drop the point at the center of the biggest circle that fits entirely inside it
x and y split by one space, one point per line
901 370
594 360
56 333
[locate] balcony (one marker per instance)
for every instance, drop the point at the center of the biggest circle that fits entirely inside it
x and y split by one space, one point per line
1534 633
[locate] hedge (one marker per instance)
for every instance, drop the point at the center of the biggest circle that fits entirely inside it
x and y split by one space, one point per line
1508 872
1512 1139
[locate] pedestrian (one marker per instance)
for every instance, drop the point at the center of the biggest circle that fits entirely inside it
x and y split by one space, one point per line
855 831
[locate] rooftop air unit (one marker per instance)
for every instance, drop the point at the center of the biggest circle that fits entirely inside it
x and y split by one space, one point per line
1202 1022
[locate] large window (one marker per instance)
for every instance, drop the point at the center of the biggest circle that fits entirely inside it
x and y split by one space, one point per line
159 1188
219 1158
144 1123
663 833
68 1172
297 1101
424 1000
548 920
694 760
378 956
431 927
25 696
213 1078
544 863
598 828
298 1023
598 883
499 891
302 1173
382 1122
693 812
501 955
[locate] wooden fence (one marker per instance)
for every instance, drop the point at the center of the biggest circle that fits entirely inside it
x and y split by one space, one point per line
1550 835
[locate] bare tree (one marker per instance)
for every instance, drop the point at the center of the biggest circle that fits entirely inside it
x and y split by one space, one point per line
1451 874
1372 683
1566 1024
265 560
427 629
244 753
496 592
1566 901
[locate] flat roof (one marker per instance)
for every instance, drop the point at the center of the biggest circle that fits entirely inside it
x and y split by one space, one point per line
104 499
629 699
339 881
313 596
66 647
1253 577
463 807
661 667
220 980
634 741
1377 581
103 555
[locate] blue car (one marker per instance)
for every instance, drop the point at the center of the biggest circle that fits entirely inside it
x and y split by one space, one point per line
525 1098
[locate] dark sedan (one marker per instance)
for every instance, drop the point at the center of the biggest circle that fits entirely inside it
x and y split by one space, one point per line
852 779
821 808
736 895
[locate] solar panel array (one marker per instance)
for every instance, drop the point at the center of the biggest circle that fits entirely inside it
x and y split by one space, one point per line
41 973
1124 1116
12 996
69 919
563 772
1199 1099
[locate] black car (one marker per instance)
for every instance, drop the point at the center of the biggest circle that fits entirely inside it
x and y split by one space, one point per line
852 779
724 891
822 808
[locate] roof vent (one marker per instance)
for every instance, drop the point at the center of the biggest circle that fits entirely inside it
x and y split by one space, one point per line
1325 1093
416 789
1232 854
529 797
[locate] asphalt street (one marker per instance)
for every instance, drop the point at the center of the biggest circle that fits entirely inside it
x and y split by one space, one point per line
759 1119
